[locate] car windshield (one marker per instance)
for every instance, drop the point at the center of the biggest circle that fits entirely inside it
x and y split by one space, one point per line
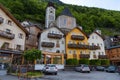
50 65
85 65
112 67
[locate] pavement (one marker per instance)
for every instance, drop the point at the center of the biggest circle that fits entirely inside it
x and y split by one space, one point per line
72 75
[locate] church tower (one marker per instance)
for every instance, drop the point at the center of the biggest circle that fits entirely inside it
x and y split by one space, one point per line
50 14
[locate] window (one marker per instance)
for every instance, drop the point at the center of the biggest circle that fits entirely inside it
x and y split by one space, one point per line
102 53
57 44
70 52
92 37
52 31
74 52
58 51
74 42
94 55
97 44
9 22
8 31
98 53
62 42
80 52
20 35
62 51
65 21
96 37
18 47
92 44
5 45
69 42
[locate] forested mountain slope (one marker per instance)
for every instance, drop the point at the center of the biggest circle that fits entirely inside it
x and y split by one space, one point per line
89 18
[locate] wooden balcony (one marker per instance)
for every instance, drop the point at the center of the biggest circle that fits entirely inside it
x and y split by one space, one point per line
93 47
84 56
47 44
102 56
1 20
7 35
78 46
55 36
72 45
77 37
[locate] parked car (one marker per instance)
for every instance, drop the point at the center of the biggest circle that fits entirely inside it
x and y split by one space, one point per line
100 68
82 68
50 68
111 69
118 69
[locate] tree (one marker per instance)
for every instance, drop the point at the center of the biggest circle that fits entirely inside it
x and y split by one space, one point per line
32 55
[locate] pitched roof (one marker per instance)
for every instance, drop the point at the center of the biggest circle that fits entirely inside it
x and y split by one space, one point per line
80 30
113 47
99 35
53 27
66 12
11 16
50 4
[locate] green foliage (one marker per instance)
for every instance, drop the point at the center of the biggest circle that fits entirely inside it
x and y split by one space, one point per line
95 62
31 55
72 62
105 62
88 18
84 61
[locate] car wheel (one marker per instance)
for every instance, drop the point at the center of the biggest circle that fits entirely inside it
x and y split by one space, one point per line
88 71
56 73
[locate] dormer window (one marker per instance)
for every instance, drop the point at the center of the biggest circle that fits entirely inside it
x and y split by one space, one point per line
9 22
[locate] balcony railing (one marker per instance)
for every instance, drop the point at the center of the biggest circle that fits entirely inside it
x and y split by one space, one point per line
83 46
77 37
77 46
1 20
84 56
102 56
93 47
55 36
7 35
47 44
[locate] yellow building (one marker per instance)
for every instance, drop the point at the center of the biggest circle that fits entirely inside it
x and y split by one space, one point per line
76 44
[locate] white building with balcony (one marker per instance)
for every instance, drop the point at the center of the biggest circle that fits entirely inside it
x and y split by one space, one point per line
96 39
12 36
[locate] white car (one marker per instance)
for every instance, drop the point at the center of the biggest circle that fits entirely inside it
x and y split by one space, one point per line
50 68
83 68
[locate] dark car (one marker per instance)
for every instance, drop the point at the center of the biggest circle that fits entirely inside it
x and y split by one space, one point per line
111 69
100 68
118 69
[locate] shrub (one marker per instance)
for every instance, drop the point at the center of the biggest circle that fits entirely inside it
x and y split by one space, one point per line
84 61
105 62
95 62
72 62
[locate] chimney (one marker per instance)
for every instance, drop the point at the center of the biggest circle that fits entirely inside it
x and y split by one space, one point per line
98 31
80 27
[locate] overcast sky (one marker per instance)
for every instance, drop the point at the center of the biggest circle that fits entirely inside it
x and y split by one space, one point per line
106 4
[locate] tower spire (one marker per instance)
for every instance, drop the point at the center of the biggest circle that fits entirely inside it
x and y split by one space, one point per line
50 14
